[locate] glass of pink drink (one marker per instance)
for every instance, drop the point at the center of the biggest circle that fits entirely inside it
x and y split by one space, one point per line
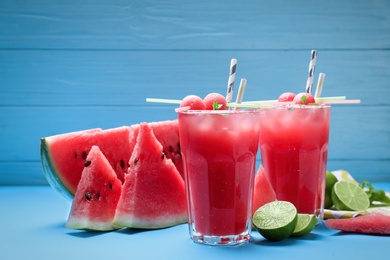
294 149
219 154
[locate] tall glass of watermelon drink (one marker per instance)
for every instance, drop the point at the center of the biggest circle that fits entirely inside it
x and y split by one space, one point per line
294 149
219 150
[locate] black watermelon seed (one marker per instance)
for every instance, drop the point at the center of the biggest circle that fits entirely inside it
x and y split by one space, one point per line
88 196
136 160
84 155
162 155
87 163
110 185
98 195
122 163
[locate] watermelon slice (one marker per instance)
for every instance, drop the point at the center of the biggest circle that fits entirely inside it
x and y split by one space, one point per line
97 195
167 133
153 195
263 191
63 156
377 223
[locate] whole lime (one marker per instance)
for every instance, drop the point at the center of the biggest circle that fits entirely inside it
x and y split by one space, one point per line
330 182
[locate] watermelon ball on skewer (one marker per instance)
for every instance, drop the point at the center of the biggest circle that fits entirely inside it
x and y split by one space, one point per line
304 98
192 101
286 97
215 101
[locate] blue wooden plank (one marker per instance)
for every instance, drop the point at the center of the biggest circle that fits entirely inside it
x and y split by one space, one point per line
358 135
148 24
67 66
74 78
30 172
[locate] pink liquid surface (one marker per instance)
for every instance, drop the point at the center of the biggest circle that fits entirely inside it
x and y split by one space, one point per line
219 155
294 151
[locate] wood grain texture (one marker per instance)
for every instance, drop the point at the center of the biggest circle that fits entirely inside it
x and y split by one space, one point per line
72 65
172 25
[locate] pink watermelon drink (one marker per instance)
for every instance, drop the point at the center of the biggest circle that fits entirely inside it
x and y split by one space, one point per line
294 148
219 150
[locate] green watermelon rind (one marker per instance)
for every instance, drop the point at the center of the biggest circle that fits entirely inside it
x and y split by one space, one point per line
129 221
50 172
82 223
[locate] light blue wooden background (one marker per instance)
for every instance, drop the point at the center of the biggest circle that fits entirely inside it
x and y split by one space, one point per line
73 65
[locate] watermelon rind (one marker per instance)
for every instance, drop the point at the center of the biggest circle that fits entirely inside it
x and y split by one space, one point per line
50 175
49 170
87 224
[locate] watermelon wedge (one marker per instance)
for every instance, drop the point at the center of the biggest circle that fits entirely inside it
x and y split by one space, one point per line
167 133
263 191
97 195
63 156
153 194
377 223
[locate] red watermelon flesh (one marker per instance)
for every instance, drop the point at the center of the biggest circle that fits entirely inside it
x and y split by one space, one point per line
153 194
263 191
63 156
376 223
97 195
167 133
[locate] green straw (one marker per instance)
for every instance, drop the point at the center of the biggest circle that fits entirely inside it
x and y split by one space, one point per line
161 100
248 105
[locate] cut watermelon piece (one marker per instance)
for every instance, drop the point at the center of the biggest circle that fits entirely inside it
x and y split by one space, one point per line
263 191
377 223
167 133
153 195
97 195
63 156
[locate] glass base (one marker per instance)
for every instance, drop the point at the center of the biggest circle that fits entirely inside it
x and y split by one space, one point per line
227 240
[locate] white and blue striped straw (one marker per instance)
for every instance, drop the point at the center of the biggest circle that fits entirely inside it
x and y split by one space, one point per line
232 75
312 66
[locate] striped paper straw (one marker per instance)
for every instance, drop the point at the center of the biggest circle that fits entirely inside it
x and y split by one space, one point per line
320 84
240 93
232 75
312 66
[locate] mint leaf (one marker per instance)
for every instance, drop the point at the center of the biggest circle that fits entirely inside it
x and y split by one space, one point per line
375 195
303 99
216 106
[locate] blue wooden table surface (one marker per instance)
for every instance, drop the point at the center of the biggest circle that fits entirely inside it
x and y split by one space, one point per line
36 230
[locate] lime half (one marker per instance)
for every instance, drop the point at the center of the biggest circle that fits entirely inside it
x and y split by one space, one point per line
349 196
305 224
276 220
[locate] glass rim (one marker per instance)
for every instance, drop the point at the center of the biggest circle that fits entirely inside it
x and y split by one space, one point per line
299 106
219 112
